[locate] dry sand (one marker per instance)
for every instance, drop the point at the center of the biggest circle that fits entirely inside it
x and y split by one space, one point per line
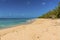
40 29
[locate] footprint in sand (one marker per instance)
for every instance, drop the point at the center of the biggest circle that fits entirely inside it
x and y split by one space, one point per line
36 37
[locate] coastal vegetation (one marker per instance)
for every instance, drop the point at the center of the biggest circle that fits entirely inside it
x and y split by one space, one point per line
55 13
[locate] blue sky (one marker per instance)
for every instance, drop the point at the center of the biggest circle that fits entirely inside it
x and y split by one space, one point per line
25 8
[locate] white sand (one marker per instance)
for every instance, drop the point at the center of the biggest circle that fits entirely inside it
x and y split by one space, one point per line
40 29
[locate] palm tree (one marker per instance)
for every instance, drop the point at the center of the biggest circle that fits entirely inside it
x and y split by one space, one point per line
58 11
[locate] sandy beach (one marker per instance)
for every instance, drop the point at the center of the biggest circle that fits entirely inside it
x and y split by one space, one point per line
40 29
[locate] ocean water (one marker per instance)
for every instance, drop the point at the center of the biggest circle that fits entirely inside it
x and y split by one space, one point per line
9 22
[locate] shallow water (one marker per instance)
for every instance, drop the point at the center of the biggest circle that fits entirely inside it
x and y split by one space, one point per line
8 22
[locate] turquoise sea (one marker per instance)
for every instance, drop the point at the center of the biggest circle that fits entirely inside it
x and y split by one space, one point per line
9 22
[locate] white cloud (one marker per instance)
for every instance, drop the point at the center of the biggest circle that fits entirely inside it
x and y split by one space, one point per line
43 3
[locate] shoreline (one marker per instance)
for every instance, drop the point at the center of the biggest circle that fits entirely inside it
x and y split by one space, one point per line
23 23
